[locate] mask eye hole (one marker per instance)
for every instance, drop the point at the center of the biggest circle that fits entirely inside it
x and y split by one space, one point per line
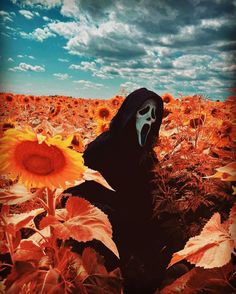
145 110
153 114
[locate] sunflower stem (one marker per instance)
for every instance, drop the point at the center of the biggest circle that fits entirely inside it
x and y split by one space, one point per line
10 244
43 203
9 241
51 202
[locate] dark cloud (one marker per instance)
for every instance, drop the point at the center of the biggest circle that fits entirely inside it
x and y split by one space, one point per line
95 9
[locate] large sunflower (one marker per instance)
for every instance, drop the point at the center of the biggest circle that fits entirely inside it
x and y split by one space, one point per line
39 161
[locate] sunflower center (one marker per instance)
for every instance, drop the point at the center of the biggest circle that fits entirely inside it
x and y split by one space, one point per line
38 164
104 113
39 159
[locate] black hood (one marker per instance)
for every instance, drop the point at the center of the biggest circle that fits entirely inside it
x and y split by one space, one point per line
116 152
129 108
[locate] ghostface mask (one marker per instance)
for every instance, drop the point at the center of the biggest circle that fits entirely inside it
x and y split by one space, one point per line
145 117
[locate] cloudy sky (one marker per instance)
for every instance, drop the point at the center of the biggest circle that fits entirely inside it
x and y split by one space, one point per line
99 48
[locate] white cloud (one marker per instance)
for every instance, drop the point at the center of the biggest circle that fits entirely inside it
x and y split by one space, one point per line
111 38
38 34
63 60
85 65
231 68
125 69
221 66
45 18
185 73
88 84
113 26
185 33
6 16
65 29
212 82
10 28
129 86
27 67
25 56
91 67
61 76
4 13
128 72
26 13
42 34
213 23
70 8
190 60
10 59
47 4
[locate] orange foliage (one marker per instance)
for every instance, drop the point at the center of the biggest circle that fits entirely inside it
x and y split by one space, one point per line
214 241
81 221
196 151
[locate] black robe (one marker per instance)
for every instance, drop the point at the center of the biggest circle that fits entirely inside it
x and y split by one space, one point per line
127 167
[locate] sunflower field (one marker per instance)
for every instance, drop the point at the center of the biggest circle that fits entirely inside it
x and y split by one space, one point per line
42 140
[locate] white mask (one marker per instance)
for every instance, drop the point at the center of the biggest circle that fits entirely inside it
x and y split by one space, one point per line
145 117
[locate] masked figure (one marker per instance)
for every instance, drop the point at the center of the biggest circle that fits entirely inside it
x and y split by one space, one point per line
124 156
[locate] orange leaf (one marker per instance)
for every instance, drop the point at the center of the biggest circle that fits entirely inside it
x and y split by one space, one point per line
51 283
28 250
91 262
179 284
197 279
23 219
17 194
212 248
92 175
81 221
40 236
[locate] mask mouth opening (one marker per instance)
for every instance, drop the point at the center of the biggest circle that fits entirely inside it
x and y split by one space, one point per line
144 134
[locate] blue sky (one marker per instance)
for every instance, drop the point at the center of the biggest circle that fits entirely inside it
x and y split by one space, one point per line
100 48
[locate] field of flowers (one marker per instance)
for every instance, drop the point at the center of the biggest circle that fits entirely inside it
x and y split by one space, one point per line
42 140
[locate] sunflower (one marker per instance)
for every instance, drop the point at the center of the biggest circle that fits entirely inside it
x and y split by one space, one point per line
39 161
54 111
76 102
167 98
26 100
38 99
104 113
116 101
9 98
7 124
